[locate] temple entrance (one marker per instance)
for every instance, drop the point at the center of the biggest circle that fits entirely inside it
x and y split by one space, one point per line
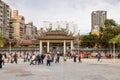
56 41
56 47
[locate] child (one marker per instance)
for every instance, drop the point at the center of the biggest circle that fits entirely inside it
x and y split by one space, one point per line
65 58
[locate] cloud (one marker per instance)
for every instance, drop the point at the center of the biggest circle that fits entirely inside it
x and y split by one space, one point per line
78 11
112 2
14 3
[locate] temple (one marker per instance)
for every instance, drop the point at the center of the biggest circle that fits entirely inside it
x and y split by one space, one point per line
56 41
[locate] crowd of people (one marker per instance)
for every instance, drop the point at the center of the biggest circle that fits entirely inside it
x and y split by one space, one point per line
10 58
37 58
40 58
50 57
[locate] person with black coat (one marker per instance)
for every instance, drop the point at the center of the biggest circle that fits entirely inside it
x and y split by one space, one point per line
99 56
1 60
74 57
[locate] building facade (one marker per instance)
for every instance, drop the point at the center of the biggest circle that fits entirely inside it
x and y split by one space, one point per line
17 25
70 27
97 20
41 32
5 15
31 31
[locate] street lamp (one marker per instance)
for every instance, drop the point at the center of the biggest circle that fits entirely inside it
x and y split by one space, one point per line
114 50
78 41
10 47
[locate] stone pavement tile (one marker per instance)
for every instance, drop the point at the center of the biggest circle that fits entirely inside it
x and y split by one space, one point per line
87 70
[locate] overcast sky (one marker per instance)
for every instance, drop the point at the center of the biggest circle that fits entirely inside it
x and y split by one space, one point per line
78 11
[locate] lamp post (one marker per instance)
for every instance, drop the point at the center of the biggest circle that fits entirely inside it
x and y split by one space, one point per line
10 47
114 50
78 41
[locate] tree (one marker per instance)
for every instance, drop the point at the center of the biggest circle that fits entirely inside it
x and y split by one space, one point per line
110 22
116 39
105 36
110 31
1 40
89 40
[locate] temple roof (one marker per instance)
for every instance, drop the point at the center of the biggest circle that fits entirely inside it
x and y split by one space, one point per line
56 38
25 42
56 35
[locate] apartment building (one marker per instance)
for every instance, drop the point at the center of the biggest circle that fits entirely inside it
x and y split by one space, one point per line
31 31
97 20
17 25
5 15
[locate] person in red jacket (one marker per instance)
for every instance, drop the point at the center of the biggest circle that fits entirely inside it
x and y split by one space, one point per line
79 57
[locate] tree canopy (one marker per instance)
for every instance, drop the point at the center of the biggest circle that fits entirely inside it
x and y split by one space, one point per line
108 33
116 40
1 40
88 40
110 22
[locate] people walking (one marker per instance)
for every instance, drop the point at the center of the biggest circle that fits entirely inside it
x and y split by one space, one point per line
25 58
28 57
79 58
65 57
74 57
3 59
48 60
38 58
99 56
32 59
9 58
52 57
57 58
0 61
42 58
15 58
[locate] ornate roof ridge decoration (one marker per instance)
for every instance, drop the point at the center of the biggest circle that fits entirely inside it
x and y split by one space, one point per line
56 32
56 35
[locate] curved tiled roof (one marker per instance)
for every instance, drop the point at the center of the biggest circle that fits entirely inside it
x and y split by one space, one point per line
25 42
56 38
56 35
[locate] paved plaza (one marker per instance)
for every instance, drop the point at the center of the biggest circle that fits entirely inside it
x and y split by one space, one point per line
89 69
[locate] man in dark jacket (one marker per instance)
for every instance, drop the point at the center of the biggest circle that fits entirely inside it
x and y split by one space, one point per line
0 60
15 58
99 56
74 57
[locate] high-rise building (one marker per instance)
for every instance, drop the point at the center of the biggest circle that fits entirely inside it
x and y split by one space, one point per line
5 15
98 19
31 31
17 25
60 25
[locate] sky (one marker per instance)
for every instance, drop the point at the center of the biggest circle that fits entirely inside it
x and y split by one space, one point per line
77 11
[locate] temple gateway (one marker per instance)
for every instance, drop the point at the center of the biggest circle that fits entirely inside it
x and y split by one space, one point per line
56 41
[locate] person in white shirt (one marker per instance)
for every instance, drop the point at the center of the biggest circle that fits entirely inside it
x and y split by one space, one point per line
33 59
